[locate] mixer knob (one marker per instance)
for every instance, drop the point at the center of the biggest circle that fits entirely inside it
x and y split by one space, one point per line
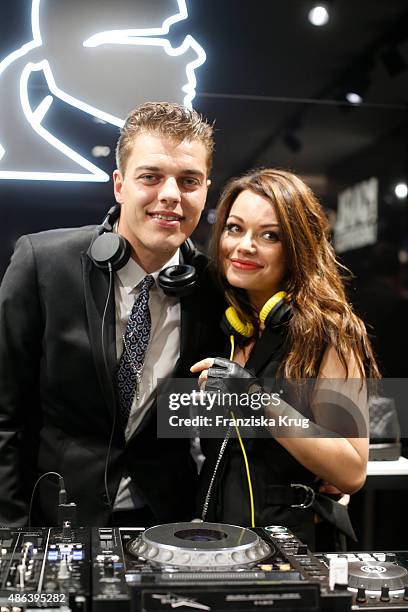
301 549
390 557
385 593
361 596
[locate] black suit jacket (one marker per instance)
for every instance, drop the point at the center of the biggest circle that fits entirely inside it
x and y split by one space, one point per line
57 396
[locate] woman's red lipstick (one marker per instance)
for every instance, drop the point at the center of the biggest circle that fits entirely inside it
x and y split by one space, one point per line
244 264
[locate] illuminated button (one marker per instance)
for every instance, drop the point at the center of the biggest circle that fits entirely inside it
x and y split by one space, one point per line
77 555
276 529
285 567
53 556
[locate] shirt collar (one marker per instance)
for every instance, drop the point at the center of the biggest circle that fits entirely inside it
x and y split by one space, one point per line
132 274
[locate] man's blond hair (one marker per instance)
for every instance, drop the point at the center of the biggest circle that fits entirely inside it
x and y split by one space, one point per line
164 119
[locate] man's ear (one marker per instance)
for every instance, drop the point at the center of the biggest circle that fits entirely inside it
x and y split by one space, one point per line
118 185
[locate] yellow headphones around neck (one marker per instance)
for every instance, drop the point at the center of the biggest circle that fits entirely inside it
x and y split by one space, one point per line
273 312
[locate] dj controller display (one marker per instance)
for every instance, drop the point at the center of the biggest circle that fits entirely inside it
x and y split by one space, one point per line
190 566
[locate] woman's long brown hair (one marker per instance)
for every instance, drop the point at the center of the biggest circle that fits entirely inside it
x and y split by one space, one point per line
321 314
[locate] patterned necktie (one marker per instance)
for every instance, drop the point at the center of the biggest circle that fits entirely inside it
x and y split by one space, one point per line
135 341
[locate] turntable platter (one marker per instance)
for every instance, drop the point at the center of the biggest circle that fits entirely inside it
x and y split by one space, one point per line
373 575
200 546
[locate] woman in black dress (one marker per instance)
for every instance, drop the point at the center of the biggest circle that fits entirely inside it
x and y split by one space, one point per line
289 320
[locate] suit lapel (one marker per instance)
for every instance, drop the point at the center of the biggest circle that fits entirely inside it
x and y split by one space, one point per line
96 288
190 333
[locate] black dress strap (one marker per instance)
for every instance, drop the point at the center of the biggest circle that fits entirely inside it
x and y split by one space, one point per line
268 350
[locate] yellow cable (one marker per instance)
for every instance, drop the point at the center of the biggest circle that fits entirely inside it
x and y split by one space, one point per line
251 495
232 347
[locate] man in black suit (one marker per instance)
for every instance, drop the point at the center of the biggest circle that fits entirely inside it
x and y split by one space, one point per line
64 332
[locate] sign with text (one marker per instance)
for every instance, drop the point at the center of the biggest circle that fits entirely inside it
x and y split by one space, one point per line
357 216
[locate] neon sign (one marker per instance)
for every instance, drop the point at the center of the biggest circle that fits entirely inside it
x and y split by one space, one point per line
104 74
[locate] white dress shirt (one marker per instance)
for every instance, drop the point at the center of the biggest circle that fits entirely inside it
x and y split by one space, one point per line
161 355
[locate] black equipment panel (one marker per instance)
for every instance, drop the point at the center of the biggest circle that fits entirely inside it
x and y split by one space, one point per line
188 566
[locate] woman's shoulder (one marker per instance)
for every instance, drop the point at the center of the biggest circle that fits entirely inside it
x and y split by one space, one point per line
333 366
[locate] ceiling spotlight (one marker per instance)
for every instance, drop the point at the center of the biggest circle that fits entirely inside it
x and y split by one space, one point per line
401 190
100 151
357 86
353 97
403 256
319 15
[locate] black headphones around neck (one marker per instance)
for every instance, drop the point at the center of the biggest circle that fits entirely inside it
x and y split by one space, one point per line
111 251
273 313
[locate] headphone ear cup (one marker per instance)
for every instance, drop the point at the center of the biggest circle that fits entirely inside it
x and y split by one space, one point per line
178 281
110 248
232 324
275 310
188 250
280 315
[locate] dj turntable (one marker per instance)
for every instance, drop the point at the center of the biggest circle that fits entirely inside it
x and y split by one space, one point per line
208 566
378 581
190 566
